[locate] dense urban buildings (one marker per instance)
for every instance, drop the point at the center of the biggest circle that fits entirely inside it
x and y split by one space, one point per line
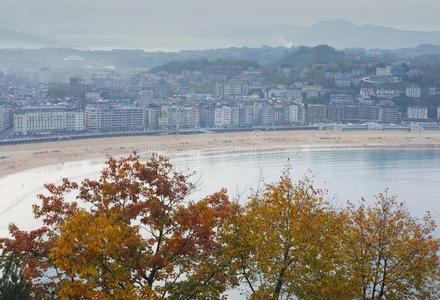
220 94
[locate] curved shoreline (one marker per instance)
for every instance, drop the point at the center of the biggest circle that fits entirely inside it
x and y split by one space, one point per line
18 158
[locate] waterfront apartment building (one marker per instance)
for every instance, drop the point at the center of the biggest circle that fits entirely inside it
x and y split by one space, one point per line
6 118
226 116
316 113
151 116
48 120
353 113
176 117
389 115
104 117
417 113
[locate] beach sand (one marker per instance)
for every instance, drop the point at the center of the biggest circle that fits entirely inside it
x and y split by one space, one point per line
18 158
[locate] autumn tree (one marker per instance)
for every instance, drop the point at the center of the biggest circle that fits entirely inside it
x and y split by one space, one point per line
286 244
133 233
130 234
391 254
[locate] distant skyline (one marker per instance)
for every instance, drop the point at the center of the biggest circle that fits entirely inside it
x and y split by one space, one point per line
196 24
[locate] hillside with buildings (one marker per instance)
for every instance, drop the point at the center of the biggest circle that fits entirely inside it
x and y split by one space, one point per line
316 87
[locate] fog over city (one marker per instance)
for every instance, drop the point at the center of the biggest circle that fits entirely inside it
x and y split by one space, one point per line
196 24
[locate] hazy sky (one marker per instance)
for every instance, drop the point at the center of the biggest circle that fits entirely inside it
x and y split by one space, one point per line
155 19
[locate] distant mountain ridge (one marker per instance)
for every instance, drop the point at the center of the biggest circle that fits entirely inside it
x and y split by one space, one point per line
336 33
340 34
15 36
13 39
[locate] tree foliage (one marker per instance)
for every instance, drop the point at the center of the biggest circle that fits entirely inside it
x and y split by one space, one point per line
12 283
288 244
391 255
132 233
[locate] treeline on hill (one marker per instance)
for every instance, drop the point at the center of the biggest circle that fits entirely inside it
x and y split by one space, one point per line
305 56
177 66
296 58
120 58
133 234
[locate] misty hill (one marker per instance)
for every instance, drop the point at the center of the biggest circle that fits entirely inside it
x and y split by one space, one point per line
13 39
15 36
203 65
304 56
132 58
139 59
337 33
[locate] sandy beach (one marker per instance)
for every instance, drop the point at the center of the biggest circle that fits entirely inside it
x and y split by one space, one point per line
18 158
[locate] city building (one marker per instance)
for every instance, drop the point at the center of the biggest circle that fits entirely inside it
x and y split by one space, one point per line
231 89
312 91
417 113
353 113
341 98
207 115
48 120
151 117
294 114
384 71
145 98
246 114
93 96
387 93
226 116
367 93
106 117
413 92
6 118
177 117
389 115
316 113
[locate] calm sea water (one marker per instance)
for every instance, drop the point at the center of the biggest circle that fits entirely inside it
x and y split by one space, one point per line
347 174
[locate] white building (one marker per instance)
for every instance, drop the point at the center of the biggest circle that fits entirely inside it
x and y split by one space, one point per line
386 93
226 116
413 92
48 120
384 71
151 116
231 89
293 114
312 91
367 93
5 118
114 118
417 113
175 117
93 96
